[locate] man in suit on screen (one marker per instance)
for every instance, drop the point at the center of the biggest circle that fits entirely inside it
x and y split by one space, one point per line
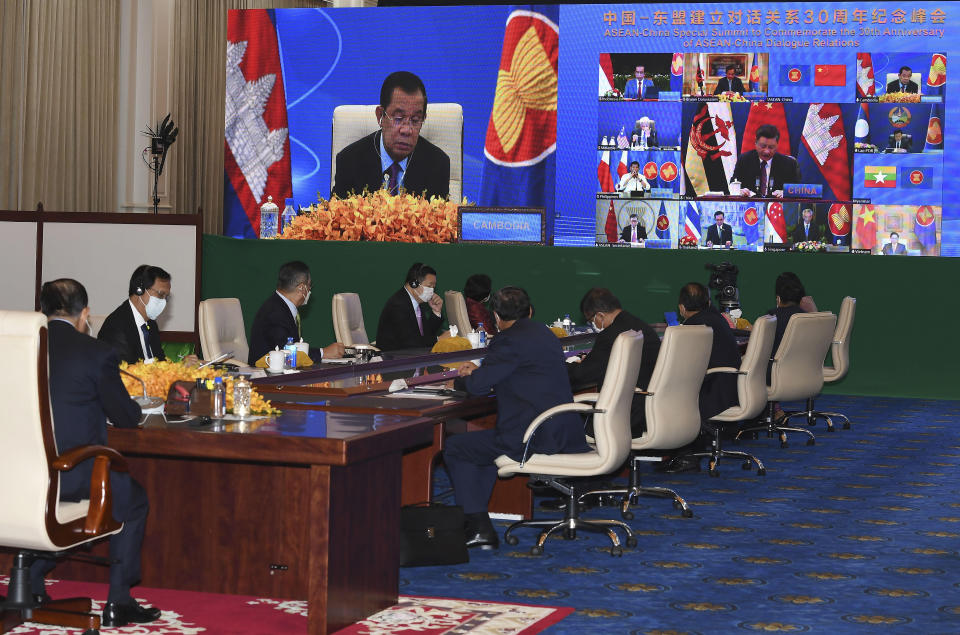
641 87
903 83
730 83
763 171
894 247
806 229
396 155
720 233
634 232
900 142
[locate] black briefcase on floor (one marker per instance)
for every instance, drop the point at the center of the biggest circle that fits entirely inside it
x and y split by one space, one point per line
432 534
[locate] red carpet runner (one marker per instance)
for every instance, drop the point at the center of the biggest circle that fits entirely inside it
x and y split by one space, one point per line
190 613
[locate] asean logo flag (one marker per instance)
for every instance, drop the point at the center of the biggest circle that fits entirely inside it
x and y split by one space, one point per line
256 140
838 219
794 75
676 73
663 223
520 159
919 177
925 229
751 224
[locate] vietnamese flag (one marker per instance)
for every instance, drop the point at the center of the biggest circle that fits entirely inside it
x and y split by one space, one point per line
830 75
866 229
611 228
880 176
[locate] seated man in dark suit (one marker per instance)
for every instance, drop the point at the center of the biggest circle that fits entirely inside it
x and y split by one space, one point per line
411 317
644 134
720 233
85 390
790 293
132 327
278 318
894 247
524 367
719 390
903 83
900 141
601 308
396 155
634 232
806 229
640 87
763 171
730 83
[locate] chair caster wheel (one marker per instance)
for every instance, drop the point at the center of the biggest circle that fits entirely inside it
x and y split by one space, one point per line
511 540
811 441
627 515
631 541
714 472
846 426
746 465
616 550
536 550
762 471
784 444
687 513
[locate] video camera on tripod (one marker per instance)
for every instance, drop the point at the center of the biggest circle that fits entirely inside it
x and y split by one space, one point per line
723 279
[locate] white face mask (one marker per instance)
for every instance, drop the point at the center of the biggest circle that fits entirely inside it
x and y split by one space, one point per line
426 293
154 307
598 328
307 297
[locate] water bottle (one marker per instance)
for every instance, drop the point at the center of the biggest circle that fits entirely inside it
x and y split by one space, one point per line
241 396
219 398
268 219
483 335
567 323
288 215
291 349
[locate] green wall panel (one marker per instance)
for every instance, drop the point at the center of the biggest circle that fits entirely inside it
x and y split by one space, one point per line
903 341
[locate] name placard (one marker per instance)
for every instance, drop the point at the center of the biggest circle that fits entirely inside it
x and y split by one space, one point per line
517 225
803 190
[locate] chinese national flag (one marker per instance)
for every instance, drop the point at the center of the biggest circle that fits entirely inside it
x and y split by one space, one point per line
866 228
761 113
830 75
610 229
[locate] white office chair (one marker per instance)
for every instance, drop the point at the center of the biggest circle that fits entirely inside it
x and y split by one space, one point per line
96 323
797 369
348 320
611 428
457 311
222 330
34 521
443 127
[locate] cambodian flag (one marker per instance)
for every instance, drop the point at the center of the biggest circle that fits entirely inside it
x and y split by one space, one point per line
691 225
521 143
824 150
663 223
256 140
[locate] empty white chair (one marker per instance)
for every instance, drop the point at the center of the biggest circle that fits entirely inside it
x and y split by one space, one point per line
348 320
457 311
222 330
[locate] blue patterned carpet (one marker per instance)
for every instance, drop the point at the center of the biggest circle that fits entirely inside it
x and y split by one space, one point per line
859 533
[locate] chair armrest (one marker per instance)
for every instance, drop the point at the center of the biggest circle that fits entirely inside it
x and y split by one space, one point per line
725 369
579 408
99 518
587 397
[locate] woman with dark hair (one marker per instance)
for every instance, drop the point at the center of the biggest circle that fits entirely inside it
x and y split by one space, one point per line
476 293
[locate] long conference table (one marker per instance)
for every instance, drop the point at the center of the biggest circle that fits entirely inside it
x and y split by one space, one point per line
305 504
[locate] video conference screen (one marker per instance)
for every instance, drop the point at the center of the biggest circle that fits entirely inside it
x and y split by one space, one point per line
759 127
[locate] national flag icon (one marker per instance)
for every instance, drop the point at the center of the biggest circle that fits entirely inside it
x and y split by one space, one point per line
622 166
794 75
611 229
751 224
663 223
917 177
622 141
606 73
762 113
668 171
838 220
755 72
866 87
938 71
691 223
925 228
866 228
825 148
650 171
880 176
830 75
934 139
776 224
604 177
676 73
861 131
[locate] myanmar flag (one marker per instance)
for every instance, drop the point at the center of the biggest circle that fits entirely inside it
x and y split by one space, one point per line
880 176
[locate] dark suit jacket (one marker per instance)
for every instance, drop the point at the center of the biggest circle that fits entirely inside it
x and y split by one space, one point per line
888 251
85 389
894 86
272 325
798 236
719 391
651 138
524 367
723 86
625 235
358 166
632 89
906 142
783 169
720 238
398 327
593 368
120 331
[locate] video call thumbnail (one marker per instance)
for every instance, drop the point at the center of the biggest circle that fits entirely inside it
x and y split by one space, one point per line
901 77
730 76
655 227
640 76
897 230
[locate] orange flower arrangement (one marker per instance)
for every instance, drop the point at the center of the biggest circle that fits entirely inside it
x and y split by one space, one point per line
378 216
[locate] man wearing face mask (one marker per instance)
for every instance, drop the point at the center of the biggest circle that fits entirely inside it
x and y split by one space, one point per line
601 308
411 317
132 327
279 316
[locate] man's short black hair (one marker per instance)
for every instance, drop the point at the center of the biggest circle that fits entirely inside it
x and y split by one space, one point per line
143 278
64 297
598 300
511 303
904 68
896 132
405 81
892 234
768 131
477 287
789 288
292 274
632 216
694 297
634 163
417 272
715 214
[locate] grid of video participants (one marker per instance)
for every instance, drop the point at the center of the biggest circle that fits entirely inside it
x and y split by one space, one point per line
836 152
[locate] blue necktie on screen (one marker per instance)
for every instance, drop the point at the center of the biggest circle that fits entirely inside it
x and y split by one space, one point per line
394 173
146 341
